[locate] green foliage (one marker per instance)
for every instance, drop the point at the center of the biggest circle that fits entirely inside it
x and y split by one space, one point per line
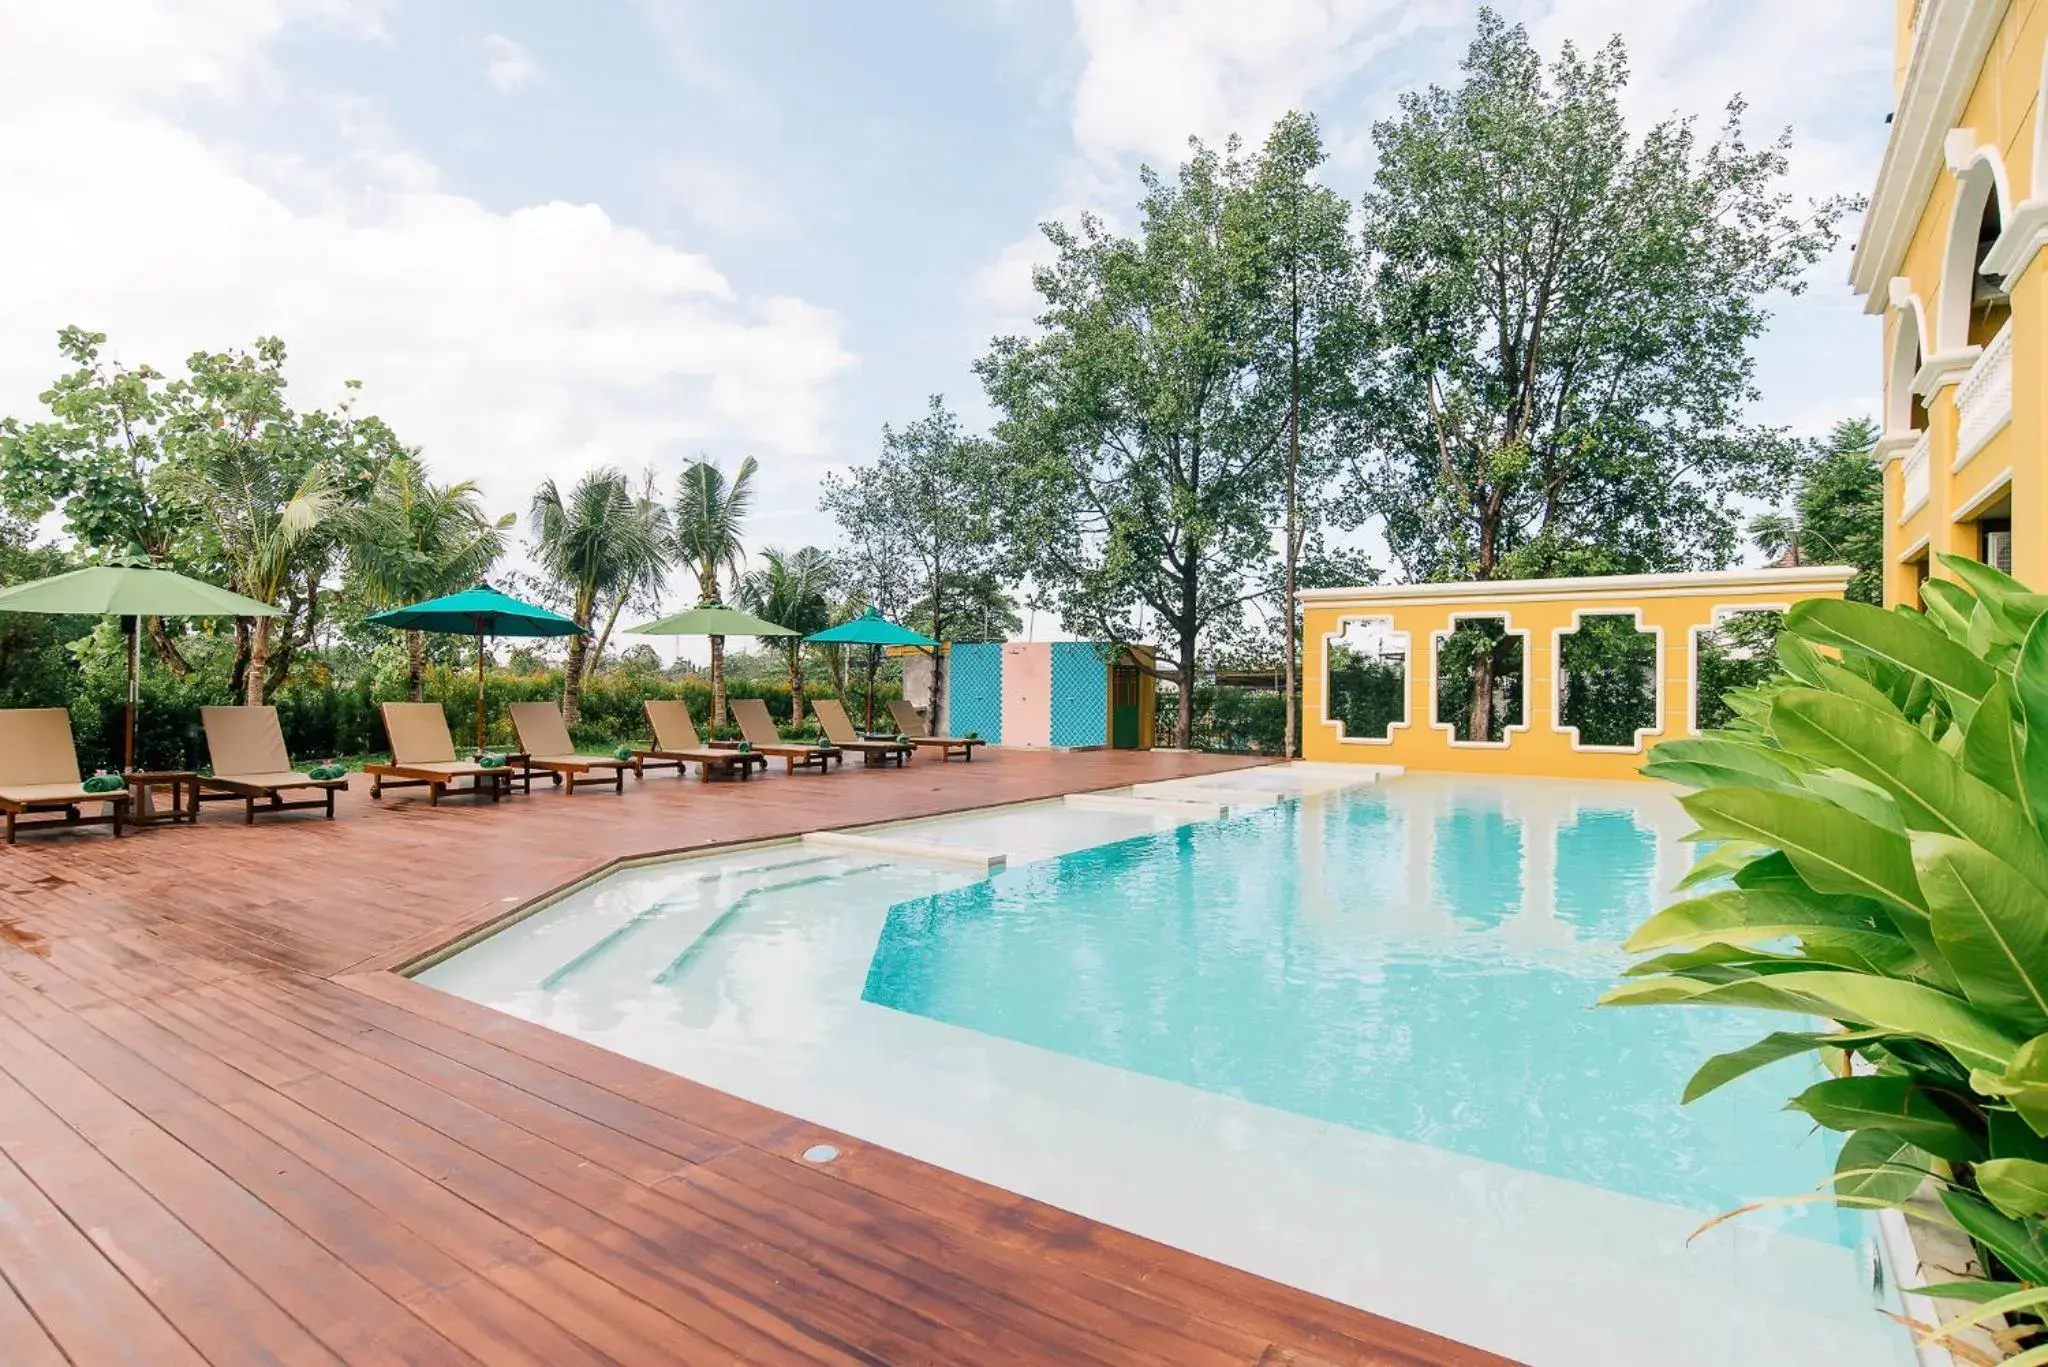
1566 316
1738 654
1368 695
1480 649
1885 867
791 589
600 544
1835 515
1609 669
1229 720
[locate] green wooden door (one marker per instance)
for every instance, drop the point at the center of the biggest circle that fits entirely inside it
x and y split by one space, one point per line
1123 711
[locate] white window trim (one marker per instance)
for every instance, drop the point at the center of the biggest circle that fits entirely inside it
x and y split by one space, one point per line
1719 615
1557 636
1407 642
1436 644
2001 483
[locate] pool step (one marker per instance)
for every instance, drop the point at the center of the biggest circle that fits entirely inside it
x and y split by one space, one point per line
1148 806
1179 790
987 861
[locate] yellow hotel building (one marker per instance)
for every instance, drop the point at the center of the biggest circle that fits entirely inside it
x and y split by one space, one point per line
1950 254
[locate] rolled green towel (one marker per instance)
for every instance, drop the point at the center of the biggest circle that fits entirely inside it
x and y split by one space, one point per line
972 735
745 747
324 772
623 752
900 738
491 761
104 782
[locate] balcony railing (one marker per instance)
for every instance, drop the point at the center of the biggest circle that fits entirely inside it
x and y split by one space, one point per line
1984 398
1914 479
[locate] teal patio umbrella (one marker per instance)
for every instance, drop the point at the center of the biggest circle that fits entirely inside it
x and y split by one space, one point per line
479 612
873 630
131 588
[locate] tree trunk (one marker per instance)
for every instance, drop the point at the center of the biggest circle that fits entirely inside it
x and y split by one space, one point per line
1184 717
796 684
416 665
938 690
717 681
1290 532
572 677
167 652
259 661
238 672
610 619
1479 717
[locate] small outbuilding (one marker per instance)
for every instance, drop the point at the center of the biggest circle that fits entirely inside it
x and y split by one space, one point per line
1064 695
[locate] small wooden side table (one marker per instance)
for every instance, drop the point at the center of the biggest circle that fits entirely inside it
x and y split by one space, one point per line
162 797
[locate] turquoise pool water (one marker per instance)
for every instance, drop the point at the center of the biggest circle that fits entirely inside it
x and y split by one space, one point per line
1431 985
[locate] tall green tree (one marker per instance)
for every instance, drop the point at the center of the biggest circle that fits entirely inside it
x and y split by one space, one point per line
711 511
1835 515
791 589
1566 316
95 461
265 483
595 541
644 592
413 539
1296 240
932 492
1140 445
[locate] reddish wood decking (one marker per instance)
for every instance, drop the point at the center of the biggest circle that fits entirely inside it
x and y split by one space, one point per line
227 1135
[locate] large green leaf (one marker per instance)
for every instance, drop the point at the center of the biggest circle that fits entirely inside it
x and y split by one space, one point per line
1722 1069
2017 607
1933 791
1990 924
2030 692
1892 1104
1949 606
1980 1041
2019 1245
2017 1186
2022 1083
1992 744
1877 1165
1745 756
1742 916
1906 641
1834 850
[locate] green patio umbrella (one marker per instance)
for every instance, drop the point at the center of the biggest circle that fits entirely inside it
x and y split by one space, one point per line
712 620
479 612
131 588
873 630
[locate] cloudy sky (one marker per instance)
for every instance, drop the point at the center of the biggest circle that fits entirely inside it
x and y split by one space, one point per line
547 236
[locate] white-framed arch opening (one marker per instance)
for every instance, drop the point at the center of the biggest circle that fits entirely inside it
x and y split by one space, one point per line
1509 631
1366 641
1905 411
1972 303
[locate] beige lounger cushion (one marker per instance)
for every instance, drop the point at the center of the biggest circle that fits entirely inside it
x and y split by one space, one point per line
907 719
419 734
247 744
285 778
759 728
545 736
673 728
36 748
838 727
453 768
47 794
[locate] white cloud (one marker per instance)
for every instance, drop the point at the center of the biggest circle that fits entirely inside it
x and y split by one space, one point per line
508 66
511 345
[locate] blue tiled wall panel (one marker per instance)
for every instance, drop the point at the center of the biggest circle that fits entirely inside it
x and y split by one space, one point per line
1080 694
974 690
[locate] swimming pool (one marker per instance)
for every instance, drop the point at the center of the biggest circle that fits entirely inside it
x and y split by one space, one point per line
1344 1039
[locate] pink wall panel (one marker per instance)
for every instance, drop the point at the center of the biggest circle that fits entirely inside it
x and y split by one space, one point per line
1027 693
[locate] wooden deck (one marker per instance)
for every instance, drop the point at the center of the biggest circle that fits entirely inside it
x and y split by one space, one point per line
228 1135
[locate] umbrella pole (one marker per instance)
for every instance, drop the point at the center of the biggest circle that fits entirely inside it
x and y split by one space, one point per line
479 689
874 663
134 625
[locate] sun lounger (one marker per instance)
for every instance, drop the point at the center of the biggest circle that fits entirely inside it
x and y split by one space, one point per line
423 756
911 723
39 773
251 764
544 736
676 742
838 728
759 729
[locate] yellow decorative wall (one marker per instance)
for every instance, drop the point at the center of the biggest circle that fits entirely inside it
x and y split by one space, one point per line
1676 608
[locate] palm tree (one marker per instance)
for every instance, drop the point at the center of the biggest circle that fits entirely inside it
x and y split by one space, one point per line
709 511
791 590
414 539
258 527
654 574
595 542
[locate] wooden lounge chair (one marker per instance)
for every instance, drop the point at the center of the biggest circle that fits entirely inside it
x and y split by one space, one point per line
839 730
759 729
676 742
39 773
911 723
544 736
423 756
250 763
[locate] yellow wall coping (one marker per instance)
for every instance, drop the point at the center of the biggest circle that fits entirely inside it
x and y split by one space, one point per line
1808 579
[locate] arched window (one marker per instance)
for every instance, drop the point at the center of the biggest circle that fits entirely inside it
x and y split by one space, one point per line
1905 411
1974 305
